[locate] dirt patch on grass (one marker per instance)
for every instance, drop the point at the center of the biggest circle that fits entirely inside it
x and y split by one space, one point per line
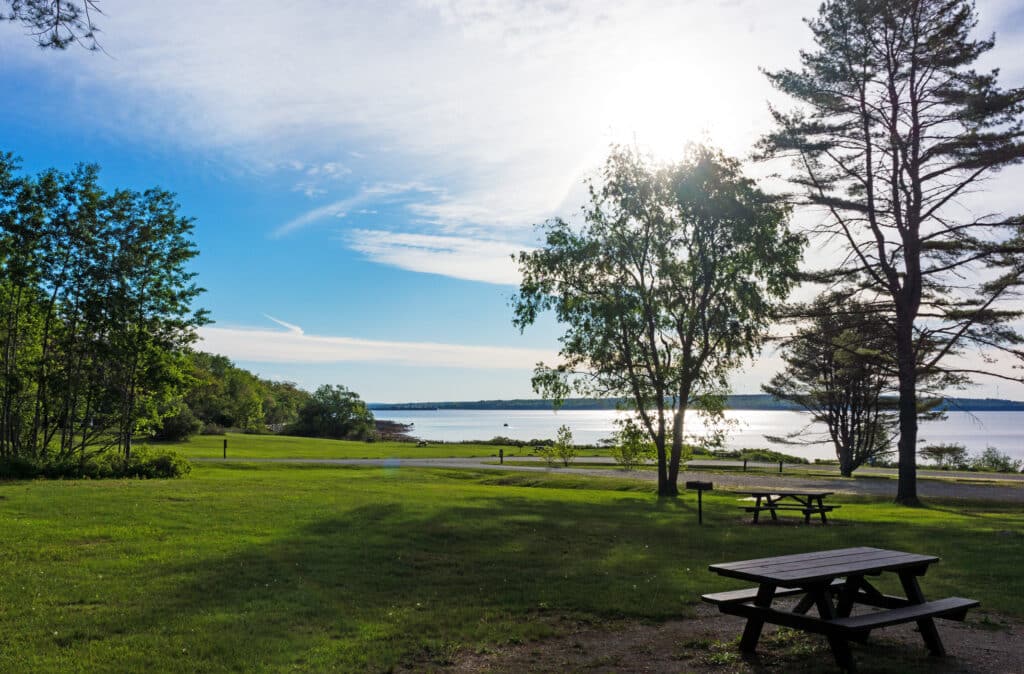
709 643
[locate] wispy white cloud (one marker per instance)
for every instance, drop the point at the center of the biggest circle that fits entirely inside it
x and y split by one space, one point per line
459 257
318 179
289 326
369 194
295 346
503 104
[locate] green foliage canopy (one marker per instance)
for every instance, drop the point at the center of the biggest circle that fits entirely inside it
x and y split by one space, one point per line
96 312
334 412
668 284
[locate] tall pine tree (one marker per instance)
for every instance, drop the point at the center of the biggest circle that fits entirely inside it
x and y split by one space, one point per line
895 127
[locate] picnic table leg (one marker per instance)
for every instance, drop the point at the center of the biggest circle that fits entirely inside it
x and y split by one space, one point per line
840 646
926 626
752 630
821 509
771 504
809 599
757 509
847 595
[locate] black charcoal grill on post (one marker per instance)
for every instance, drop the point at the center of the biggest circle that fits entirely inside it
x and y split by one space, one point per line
701 487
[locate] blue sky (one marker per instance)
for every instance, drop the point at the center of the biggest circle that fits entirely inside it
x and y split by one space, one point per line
361 172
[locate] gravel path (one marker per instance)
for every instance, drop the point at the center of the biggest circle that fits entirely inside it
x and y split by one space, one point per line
1009 490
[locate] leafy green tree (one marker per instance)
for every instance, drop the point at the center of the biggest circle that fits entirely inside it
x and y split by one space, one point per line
96 311
222 394
334 412
667 284
281 403
148 305
895 128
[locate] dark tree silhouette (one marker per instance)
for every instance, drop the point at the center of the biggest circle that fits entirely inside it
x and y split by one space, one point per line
894 129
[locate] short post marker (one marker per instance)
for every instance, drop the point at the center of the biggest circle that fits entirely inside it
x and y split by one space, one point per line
701 487
225 448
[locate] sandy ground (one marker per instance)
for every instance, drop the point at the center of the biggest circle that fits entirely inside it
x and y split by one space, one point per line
708 643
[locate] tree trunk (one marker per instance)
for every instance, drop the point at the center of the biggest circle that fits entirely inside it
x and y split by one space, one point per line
662 467
677 450
846 462
906 492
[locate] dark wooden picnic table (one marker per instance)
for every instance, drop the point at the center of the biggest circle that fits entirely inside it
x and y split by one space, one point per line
834 582
807 502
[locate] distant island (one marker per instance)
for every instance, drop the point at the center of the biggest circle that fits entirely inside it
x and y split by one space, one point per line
758 401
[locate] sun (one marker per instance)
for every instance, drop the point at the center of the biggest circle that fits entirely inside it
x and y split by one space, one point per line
661 101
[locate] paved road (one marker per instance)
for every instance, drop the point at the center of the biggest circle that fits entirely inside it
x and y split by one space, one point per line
1006 491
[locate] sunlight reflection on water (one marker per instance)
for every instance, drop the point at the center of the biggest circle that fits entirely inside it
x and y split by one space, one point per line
1003 430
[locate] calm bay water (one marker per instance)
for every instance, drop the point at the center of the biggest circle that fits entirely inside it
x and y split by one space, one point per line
976 431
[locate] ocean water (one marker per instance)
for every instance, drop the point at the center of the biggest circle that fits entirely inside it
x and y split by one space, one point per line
748 428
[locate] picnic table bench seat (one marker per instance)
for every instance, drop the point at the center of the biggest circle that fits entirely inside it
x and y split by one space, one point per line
750 594
856 627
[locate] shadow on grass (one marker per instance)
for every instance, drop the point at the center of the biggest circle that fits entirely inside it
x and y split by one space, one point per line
383 584
391 583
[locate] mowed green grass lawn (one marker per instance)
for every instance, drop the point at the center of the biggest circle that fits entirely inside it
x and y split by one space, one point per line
246 446
245 567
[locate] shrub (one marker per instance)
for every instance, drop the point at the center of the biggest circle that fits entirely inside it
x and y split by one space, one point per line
213 429
946 457
995 461
564 450
17 468
632 445
546 452
182 424
143 463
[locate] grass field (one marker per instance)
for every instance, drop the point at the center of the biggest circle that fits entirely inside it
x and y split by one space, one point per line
282 446
247 567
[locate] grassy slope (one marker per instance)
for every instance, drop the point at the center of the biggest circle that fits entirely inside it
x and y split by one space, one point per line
283 446
269 567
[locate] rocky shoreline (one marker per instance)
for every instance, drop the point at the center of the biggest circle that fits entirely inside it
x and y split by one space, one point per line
394 431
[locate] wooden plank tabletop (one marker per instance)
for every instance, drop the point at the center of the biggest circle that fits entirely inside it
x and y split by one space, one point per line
819 566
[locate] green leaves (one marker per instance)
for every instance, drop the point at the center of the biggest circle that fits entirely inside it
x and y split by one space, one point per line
667 284
334 412
99 309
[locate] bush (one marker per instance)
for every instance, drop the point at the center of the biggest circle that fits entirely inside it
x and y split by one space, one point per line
213 429
143 463
17 468
995 461
181 425
764 455
632 446
946 457
564 450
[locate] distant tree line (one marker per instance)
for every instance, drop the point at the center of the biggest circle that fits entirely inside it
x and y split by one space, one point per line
220 396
